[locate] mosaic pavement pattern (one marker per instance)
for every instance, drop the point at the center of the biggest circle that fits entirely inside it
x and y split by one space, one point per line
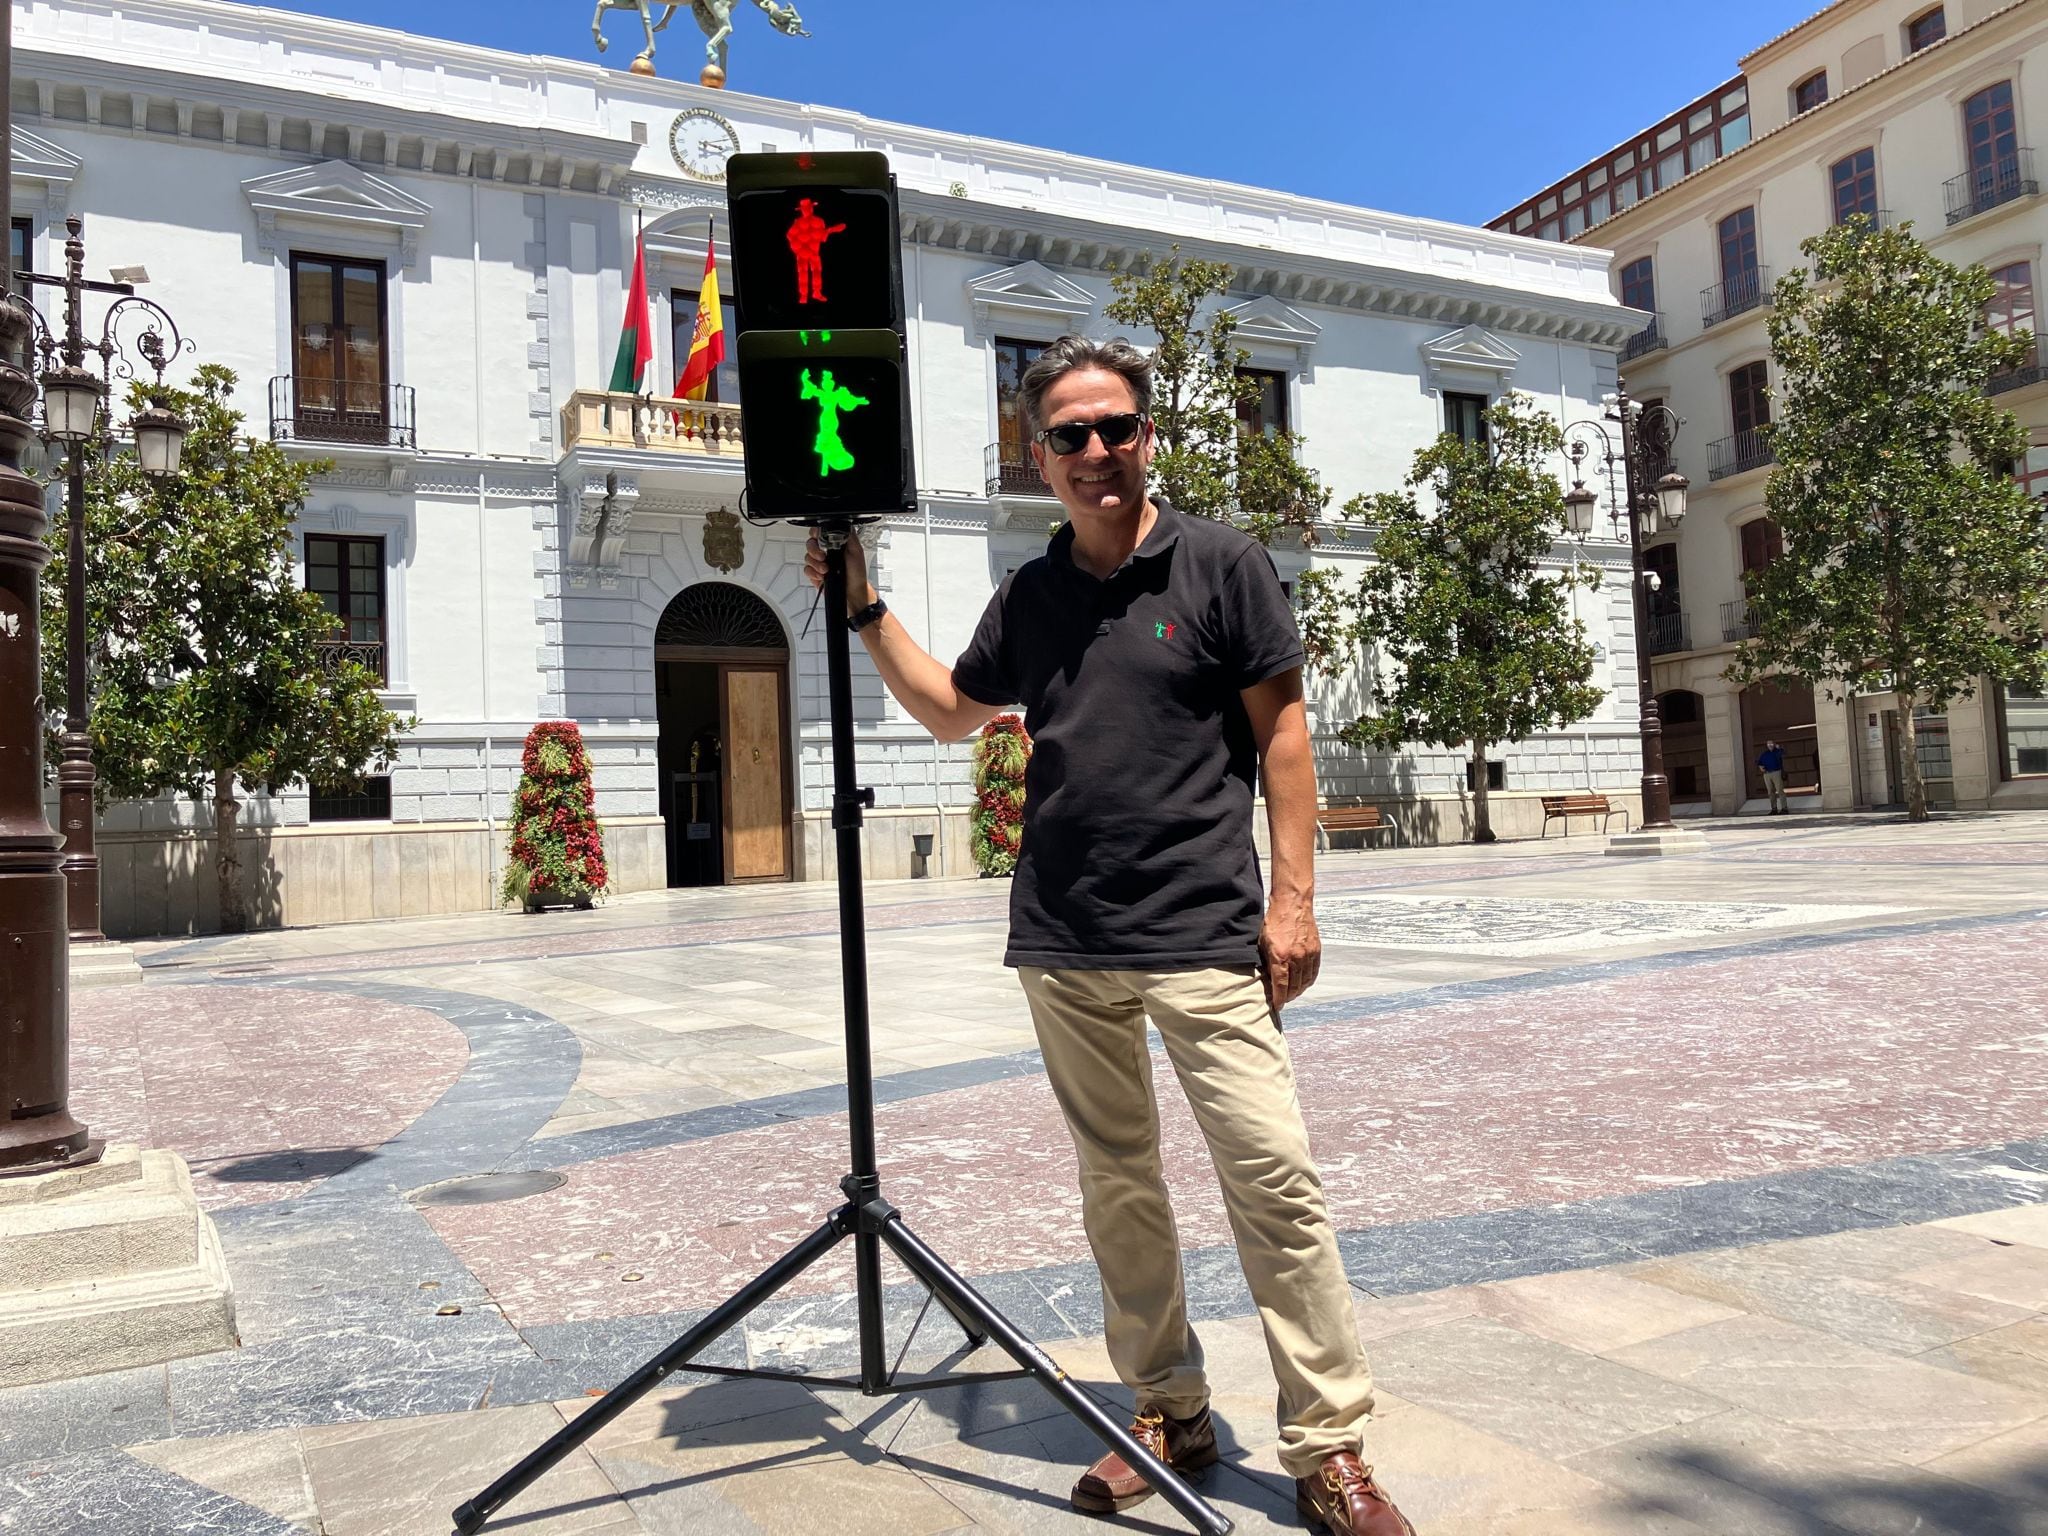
1535 926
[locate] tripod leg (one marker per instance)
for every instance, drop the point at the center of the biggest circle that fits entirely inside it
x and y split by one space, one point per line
470 1517
961 1298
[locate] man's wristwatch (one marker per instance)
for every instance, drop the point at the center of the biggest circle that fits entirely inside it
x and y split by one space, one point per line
861 620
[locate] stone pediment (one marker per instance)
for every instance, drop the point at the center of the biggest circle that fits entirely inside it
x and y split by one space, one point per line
1032 293
1470 350
1267 321
336 193
37 161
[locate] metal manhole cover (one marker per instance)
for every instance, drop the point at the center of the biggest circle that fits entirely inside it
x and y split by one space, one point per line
489 1188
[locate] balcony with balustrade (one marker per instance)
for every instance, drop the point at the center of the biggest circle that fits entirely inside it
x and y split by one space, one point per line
342 413
1739 621
369 654
1739 454
1985 187
1737 295
1652 338
1670 633
598 418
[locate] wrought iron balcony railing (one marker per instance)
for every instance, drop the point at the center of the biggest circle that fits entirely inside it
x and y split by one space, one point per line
336 411
1739 621
596 418
1649 339
1670 632
1743 451
2029 372
367 653
1984 187
1744 291
1010 472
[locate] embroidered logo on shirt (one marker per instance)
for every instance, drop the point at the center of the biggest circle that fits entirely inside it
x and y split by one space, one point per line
1161 630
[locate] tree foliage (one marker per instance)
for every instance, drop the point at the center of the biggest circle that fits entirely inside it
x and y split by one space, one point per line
209 666
1913 564
1208 462
1473 643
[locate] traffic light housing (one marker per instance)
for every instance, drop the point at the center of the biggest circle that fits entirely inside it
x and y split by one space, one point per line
817 261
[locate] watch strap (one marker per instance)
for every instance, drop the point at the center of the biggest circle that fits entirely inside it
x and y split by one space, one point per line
866 616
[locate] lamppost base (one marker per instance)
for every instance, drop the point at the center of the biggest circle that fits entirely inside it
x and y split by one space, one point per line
1656 843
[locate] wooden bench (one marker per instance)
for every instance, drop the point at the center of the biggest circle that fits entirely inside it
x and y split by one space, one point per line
1351 818
1564 807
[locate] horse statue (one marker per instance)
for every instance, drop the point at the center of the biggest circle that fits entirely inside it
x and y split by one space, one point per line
714 18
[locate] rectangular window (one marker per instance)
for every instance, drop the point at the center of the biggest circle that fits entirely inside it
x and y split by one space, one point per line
1761 544
1625 193
724 386
1735 100
1926 29
2011 309
1266 412
1810 92
1668 136
1496 774
372 802
1738 246
1597 211
1596 178
1465 416
1749 401
22 245
1574 222
1699 120
1639 284
1624 162
2023 729
1012 358
1991 130
1669 169
1734 133
339 349
347 575
1524 219
1853 185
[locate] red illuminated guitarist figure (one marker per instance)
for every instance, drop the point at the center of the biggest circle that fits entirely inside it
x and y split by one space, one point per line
807 237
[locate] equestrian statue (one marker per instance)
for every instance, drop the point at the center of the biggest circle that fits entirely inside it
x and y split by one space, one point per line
714 17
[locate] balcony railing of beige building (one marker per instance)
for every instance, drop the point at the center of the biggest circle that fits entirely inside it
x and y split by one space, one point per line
1648 339
597 418
1985 187
1732 455
1742 292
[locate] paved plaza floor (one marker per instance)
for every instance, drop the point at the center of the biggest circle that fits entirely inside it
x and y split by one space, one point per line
1680 1197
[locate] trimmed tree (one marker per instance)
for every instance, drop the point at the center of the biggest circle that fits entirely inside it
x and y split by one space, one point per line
1209 462
213 666
1913 564
557 845
1474 644
1001 754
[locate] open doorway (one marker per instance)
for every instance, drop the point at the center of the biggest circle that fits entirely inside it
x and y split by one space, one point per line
1781 711
721 689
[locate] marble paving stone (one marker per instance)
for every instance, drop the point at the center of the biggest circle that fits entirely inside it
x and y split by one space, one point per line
266 1469
770 1472
2014 1277
1813 1287
1740 1471
1826 1385
1382 1316
63 1418
2013 1466
102 1493
401 1477
1592 1310
2014 1224
1528 1391
2016 1356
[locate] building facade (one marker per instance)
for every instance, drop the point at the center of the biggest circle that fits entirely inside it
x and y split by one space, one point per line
414 254
1897 110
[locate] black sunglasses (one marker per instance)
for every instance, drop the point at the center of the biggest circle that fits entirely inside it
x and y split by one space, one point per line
1072 436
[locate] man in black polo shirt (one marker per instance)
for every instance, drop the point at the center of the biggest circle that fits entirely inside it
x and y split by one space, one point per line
1160 669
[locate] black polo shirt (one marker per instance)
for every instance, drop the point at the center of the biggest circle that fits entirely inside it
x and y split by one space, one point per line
1138 849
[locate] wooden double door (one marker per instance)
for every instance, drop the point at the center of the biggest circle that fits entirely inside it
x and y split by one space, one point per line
724 763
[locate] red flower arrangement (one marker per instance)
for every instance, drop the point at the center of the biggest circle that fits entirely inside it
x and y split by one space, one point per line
1001 755
557 845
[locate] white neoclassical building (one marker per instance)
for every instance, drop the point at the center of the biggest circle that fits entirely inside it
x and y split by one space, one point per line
414 254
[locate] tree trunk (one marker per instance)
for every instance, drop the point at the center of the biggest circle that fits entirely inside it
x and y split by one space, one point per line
227 858
1482 814
1909 760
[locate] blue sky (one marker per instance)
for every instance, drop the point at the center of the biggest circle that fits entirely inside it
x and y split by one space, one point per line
1452 110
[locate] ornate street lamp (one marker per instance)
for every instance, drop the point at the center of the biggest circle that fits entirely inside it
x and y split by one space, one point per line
1650 503
77 413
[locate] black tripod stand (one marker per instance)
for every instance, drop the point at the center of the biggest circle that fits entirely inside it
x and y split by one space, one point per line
866 1217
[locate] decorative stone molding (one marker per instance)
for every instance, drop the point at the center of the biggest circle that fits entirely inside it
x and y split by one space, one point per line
669 196
598 506
39 163
1029 297
1469 351
335 192
1265 321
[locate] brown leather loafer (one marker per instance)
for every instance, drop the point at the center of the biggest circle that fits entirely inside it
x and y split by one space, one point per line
1344 1496
1186 1445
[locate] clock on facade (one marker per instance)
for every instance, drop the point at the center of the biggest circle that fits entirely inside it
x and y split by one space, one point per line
701 141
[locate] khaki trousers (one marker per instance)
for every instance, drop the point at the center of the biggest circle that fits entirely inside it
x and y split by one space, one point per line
1226 1048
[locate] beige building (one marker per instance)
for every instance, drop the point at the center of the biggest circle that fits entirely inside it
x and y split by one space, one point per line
1891 108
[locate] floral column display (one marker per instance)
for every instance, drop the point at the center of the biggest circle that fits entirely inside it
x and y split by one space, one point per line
557 856
1000 756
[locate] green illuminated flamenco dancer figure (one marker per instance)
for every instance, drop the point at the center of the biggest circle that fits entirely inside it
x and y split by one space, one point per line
832 398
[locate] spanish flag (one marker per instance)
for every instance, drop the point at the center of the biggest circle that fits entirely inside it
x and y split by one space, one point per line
707 337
